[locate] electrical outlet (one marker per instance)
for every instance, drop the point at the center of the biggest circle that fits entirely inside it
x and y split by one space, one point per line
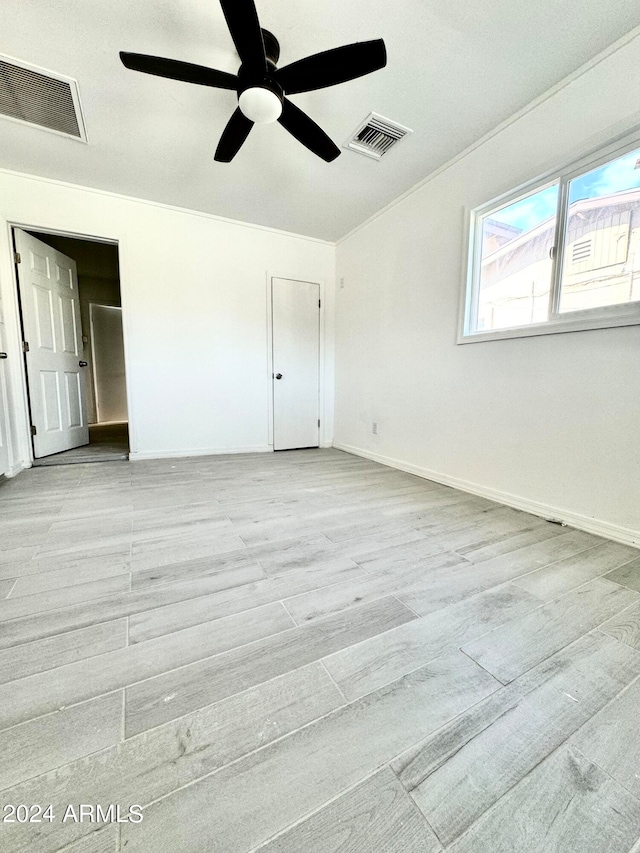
374 428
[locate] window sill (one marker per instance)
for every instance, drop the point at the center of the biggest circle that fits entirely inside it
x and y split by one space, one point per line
582 323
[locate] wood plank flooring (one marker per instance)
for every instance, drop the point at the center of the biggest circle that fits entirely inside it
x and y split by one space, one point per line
107 443
307 651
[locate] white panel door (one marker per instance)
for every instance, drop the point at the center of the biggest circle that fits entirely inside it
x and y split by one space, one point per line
51 318
4 408
296 362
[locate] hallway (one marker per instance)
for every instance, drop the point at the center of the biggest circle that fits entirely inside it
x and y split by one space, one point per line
107 443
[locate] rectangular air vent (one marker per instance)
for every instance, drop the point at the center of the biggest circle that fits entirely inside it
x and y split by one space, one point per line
581 251
38 97
375 136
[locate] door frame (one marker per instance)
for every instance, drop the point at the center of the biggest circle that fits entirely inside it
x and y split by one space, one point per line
23 454
324 436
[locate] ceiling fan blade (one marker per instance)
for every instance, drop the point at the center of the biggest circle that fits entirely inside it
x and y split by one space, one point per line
333 66
237 129
177 70
244 26
308 132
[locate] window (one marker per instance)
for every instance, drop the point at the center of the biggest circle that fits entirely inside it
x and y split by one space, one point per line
516 265
602 237
560 257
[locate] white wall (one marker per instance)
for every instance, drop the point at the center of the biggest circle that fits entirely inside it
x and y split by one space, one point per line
99 291
194 299
107 344
551 422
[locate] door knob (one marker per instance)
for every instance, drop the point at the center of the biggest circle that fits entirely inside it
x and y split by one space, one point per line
3 355
83 363
278 376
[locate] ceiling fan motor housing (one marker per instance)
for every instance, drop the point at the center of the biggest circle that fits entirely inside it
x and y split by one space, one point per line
260 97
271 47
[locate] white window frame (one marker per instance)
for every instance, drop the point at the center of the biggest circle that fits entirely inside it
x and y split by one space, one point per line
608 316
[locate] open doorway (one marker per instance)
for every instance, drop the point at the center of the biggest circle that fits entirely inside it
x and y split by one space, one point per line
74 355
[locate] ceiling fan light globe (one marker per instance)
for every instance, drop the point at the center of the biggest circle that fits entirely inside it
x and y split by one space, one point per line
260 105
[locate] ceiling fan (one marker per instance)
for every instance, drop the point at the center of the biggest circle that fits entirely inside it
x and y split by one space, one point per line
261 86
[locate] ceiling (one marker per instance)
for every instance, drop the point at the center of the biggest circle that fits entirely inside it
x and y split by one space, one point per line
455 70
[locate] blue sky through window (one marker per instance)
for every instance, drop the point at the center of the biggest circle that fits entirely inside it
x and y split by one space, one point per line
620 175
530 211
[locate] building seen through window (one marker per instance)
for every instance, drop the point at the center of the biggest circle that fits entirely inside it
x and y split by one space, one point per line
600 257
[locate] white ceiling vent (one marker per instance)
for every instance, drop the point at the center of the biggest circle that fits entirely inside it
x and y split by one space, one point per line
375 136
38 97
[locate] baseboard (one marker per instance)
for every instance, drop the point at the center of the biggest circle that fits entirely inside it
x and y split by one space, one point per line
15 470
136 456
625 535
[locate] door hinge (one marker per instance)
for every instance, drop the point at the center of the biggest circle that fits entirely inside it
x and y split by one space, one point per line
17 258
34 431
318 421
319 303
25 346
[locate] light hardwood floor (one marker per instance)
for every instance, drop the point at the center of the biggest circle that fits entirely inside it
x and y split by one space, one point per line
107 443
308 652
